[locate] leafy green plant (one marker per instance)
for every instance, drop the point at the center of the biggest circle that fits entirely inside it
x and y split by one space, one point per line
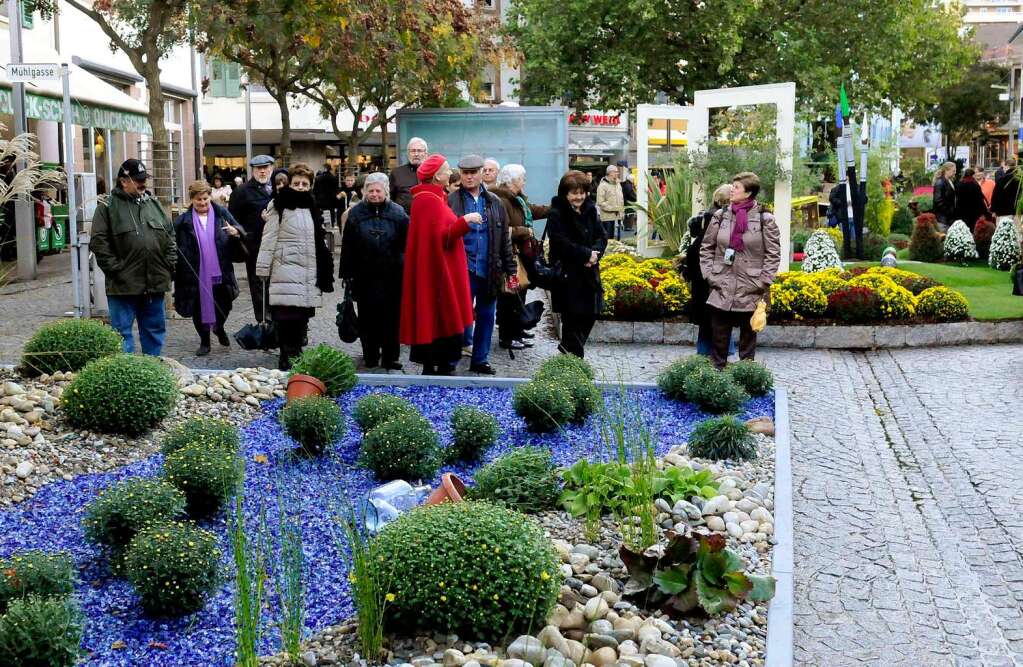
942 304
672 380
677 484
372 410
488 571
41 632
544 403
314 422
755 378
591 489
473 432
122 510
721 438
586 397
35 572
123 393
173 567
332 367
566 362
404 447
207 477
714 391
525 479
68 345
208 431
693 571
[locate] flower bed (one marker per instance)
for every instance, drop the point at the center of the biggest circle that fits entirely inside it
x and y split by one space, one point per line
117 633
642 289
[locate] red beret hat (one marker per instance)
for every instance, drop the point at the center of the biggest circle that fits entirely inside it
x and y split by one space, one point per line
429 167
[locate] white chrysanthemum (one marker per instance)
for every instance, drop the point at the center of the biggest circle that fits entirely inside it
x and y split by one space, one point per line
959 243
820 253
1004 245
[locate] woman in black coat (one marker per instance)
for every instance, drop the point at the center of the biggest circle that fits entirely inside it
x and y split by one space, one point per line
204 290
578 241
945 196
970 202
700 288
372 258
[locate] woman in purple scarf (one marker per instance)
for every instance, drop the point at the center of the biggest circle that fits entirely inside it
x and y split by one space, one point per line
739 258
204 283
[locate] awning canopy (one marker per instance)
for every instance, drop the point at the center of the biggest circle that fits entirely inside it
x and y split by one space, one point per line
94 102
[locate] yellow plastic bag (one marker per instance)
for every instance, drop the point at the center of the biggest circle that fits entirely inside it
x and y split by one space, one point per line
759 319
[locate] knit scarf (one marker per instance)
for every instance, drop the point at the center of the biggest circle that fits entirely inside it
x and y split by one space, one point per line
209 265
527 213
740 213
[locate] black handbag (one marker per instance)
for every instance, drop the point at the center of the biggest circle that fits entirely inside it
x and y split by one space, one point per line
1017 280
543 273
347 318
261 335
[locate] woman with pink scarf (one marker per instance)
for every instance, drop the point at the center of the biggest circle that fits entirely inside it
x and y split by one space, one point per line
204 284
739 258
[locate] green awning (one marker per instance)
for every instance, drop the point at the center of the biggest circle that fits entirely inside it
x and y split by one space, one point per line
42 107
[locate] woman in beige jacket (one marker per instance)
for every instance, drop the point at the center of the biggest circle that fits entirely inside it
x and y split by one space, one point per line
739 258
294 256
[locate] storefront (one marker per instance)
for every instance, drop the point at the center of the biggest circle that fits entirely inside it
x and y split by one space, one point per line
597 139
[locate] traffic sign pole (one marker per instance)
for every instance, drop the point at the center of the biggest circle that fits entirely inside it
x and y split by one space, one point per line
24 223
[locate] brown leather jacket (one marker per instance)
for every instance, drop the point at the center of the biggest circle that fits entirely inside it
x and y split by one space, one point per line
748 280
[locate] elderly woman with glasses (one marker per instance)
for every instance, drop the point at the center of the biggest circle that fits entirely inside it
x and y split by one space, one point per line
372 259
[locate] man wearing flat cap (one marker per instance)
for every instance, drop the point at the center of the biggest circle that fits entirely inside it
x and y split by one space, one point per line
246 205
489 253
133 240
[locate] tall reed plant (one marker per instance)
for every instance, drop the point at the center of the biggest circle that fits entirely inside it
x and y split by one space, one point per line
289 570
250 580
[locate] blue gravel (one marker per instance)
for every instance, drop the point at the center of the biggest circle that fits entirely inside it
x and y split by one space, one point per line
51 520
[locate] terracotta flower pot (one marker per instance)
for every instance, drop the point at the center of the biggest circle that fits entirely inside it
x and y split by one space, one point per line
451 489
300 386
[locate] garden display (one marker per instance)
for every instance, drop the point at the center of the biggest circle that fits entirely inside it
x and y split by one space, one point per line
820 253
641 290
1004 252
135 559
959 244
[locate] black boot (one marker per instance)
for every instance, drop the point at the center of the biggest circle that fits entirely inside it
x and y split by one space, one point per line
204 344
285 358
222 337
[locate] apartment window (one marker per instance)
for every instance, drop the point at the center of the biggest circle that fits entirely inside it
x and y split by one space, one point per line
225 79
486 4
486 90
172 111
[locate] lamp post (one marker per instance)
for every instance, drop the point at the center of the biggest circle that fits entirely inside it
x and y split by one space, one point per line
248 123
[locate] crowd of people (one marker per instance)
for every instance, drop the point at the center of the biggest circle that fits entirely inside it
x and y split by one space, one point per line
434 259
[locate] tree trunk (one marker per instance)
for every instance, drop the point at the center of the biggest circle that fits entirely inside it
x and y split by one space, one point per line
285 148
383 143
158 160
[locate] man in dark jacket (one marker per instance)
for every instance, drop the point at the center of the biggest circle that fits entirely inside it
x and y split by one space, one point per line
488 249
325 191
133 241
246 205
970 203
628 193
403 178
1003 201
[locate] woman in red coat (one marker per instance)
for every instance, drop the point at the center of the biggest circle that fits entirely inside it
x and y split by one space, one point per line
436 305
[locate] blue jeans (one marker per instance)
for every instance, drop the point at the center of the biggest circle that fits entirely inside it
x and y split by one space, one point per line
481 334
705 341
148 310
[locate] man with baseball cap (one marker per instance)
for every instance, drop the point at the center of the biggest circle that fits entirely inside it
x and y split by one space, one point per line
489 252
246 205
133 240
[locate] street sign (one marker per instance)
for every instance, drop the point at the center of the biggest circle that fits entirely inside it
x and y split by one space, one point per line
30 72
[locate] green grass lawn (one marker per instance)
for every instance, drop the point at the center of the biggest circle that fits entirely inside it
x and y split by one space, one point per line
989 291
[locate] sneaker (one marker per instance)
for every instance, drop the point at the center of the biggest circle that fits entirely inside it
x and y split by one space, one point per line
467 351
524 343
483 369
513 345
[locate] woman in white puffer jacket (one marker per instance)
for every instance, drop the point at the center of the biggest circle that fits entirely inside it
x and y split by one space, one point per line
294 256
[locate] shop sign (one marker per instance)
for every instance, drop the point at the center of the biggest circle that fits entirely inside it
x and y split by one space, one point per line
592 120
48 108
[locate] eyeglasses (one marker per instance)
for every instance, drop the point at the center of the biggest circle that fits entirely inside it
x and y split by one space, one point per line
417 150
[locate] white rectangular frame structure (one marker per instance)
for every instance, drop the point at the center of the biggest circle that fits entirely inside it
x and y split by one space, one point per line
697 121
783 96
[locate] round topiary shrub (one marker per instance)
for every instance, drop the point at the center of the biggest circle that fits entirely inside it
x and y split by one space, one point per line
544 403
722 438
206 477
1004 251
925 245
959 244
372 410
123 393
672 380
473 432
41 632
121 511
566 362
524 479
820 253
471 568
313 422
213 433
755 378
173 567
942 304
332 367
586 398
404 447
983 232
714 391
35 572
68 345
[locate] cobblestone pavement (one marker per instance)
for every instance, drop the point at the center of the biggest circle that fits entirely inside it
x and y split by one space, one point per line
908 534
